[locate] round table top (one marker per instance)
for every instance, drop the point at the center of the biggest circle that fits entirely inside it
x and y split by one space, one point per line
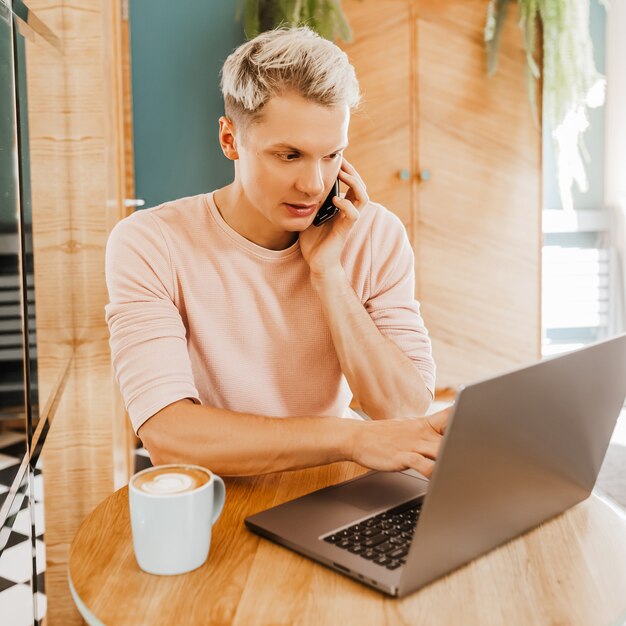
570 570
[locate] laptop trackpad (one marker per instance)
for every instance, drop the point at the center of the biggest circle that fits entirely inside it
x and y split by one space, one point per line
379 490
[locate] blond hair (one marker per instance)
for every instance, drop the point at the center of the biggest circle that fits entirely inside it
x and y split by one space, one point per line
282 60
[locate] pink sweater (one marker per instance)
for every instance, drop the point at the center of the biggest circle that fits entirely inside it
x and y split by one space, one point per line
198 311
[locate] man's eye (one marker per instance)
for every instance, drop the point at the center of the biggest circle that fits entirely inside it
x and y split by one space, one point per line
292 156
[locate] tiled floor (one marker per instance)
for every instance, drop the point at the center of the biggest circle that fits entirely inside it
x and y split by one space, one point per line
17 605
16 601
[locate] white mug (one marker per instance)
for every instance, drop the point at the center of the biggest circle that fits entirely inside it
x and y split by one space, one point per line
172 527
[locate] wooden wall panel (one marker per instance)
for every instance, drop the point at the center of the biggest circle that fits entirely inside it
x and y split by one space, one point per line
480 219
475 225
76 128
47 153
380 131
127 98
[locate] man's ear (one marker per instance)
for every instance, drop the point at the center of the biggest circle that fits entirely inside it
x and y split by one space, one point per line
228 139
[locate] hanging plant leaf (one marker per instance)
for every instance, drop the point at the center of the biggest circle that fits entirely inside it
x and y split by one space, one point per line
496 15
571 82
529 16
251 21
325 17
342 27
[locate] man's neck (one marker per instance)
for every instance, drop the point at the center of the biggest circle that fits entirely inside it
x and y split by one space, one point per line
242 217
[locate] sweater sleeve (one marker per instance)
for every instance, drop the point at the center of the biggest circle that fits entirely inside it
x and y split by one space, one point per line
147 335
392 304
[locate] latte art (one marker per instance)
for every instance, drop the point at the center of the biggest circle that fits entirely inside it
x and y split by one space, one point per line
170 480
169 483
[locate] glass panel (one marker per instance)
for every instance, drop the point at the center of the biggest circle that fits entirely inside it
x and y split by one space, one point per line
27 226
40 84
32 175
39 87
12 397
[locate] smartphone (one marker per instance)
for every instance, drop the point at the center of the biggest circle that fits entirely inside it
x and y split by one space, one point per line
328 210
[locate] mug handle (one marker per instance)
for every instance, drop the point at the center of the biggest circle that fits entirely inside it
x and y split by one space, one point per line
219 497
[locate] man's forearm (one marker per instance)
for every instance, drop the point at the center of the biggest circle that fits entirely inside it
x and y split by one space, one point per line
231 443
384 380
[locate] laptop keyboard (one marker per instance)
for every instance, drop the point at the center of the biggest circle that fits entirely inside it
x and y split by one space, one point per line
384 538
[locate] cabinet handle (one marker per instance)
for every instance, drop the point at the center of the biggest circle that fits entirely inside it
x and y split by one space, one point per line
134 202
405 174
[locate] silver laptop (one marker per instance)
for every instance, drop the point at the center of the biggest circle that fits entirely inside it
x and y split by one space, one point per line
519 449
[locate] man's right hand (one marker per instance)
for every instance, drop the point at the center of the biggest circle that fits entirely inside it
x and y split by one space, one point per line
241 444
399 444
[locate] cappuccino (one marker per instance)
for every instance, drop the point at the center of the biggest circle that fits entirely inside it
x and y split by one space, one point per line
171 480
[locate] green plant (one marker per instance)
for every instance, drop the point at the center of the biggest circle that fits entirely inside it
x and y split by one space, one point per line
571 82
323 16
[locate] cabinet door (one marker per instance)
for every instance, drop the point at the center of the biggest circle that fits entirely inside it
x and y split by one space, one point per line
380 132
478 254
473 214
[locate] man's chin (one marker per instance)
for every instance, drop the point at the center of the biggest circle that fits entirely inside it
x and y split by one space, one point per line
297 226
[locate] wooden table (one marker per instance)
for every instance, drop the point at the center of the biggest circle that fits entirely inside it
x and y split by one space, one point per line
571 570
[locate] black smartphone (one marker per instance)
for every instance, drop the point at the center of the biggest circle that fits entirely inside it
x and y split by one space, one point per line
328 210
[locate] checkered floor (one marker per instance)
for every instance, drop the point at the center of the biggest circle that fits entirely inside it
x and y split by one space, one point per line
17 605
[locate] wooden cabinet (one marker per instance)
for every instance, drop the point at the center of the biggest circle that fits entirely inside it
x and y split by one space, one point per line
456 156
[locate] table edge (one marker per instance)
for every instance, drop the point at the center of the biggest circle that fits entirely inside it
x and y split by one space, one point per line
86 614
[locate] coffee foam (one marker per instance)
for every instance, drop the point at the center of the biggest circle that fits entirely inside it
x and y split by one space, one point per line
171 480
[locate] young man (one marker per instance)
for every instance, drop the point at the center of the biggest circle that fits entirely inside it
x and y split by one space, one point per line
231 309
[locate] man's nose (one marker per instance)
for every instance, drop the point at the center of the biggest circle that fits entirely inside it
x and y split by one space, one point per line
311 181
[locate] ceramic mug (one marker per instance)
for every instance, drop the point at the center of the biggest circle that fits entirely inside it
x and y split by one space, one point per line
172 512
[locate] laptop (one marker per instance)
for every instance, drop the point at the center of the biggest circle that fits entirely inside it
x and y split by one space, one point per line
519 449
